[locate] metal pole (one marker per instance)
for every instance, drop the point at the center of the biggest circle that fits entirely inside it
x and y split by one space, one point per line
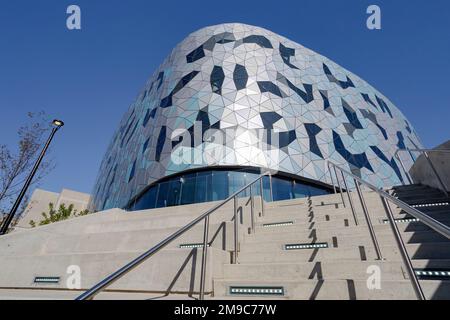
262 198
19 199
236 230
444 189
350 199
204 256
271 190
331 176
404 169
339 184
369 222
404 253
252 214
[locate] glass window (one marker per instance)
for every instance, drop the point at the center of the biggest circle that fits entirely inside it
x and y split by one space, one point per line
173 197
266 188
217 77
220 185
317 191
282 189
240 76
250 177
259 40
236 181
162 195
188 183
300 190
267 86
203 187
147 201
133 170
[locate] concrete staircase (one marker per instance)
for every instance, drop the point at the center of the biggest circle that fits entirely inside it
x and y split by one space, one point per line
337 267
307 248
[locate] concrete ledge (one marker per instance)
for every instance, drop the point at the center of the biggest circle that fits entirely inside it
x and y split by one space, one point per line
422 173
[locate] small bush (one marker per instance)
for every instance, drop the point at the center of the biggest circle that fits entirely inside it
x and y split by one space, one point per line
63 213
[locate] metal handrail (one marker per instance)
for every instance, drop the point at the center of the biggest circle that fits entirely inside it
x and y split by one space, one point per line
385 198
100 286
430 222
425 153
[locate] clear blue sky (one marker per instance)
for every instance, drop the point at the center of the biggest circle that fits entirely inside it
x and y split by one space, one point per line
88 78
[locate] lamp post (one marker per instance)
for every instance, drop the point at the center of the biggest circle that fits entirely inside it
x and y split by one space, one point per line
4 228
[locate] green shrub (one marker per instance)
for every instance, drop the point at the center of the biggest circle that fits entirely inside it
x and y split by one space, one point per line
63 213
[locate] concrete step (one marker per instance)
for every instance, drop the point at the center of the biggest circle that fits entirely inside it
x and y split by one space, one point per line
170 270
375 210
120 220
138 240
343 225
304 217
325 215
444 210
370 197
443 218
316 200
49 294
386 242
338 270
422 193
276 253
339 289
384 236
437 214
357 253
425 200
305 226
412 187
431 263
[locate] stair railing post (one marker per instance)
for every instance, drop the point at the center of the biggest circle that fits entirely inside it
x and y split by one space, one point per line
369 221
339 185
444 189
403 167
236 231
350 199
270 185
262 198
252 213
404 253
204 257
331 177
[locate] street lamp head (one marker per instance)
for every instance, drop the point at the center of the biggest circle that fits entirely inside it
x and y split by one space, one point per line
58 123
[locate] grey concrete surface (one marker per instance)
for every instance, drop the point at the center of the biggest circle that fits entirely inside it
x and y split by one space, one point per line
421 172
102 242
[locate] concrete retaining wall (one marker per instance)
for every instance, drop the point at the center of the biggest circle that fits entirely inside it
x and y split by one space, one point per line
422 173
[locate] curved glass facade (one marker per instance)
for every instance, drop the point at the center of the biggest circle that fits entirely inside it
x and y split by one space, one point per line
214 185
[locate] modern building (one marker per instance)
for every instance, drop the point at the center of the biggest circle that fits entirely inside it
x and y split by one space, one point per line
232 100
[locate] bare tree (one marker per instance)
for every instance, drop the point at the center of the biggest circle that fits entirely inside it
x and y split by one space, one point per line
16 163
